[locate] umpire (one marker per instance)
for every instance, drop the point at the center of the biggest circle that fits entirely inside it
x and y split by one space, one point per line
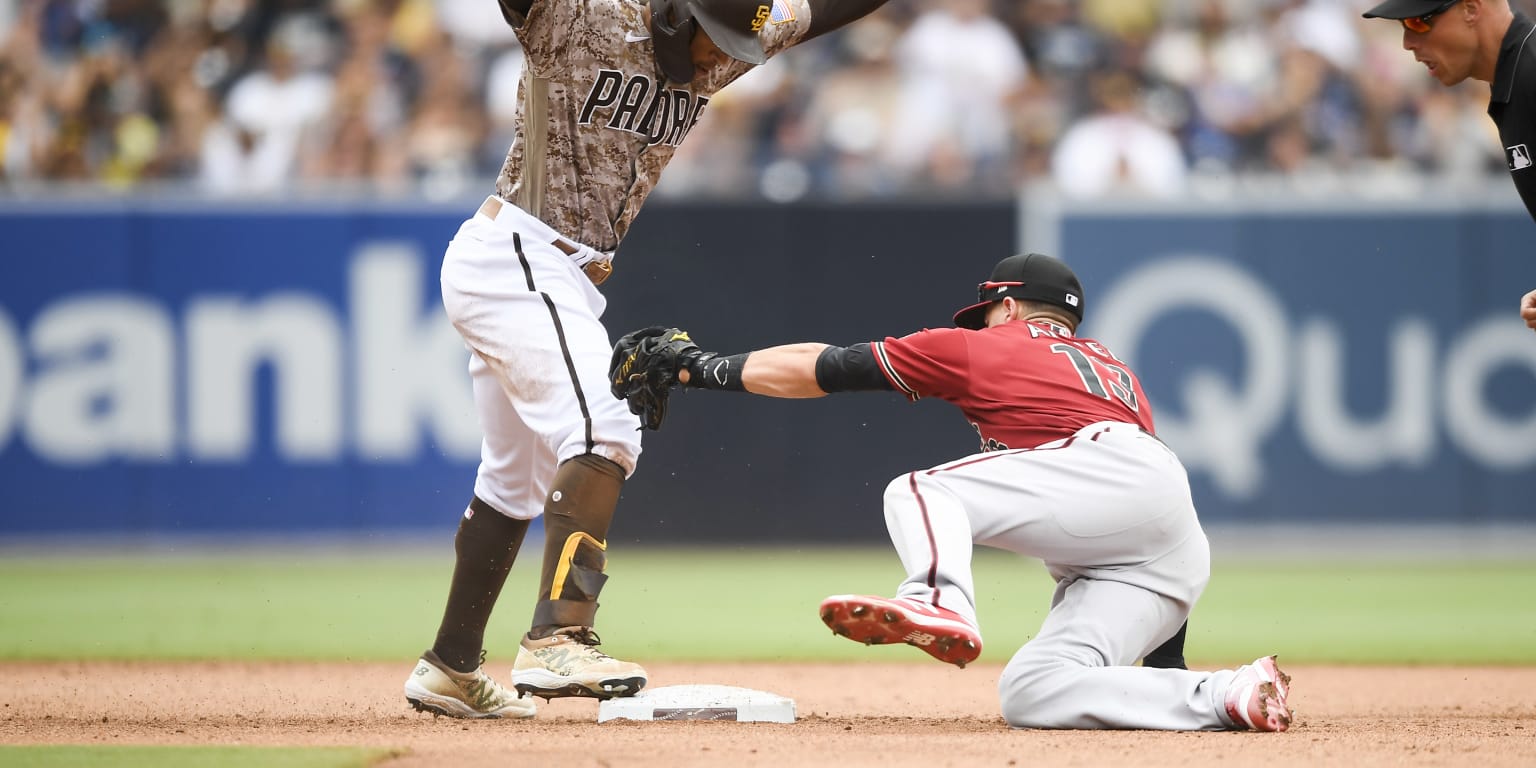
1483 40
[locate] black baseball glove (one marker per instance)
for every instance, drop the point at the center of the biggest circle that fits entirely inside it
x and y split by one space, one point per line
644 369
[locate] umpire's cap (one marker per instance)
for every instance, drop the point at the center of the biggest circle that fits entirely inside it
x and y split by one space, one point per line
1027 277
1407 9
732 25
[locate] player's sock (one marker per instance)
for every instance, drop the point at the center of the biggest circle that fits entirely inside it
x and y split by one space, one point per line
1169 655
582 498
484 548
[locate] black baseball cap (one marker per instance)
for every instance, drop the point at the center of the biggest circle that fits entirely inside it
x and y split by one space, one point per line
1027 277
1407 9
733 26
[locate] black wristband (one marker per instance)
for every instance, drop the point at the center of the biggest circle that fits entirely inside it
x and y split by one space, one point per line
712 371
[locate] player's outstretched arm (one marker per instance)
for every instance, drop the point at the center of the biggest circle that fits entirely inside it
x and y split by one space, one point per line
788 370
649 362
1528 310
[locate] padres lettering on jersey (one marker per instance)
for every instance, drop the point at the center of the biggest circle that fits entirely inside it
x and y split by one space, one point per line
596 121
667 115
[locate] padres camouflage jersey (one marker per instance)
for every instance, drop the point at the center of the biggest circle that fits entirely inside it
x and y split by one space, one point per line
597 121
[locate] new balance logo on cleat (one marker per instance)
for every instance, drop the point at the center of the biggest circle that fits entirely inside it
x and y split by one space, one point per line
568 663
433 687
939 632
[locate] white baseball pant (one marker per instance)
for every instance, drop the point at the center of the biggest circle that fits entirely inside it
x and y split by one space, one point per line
540 362
1109 512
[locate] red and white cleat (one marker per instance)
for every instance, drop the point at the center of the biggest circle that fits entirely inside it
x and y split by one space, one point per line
1256 698
941 633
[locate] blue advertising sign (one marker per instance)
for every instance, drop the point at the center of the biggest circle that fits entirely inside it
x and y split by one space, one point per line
212 370
1351 365
205 369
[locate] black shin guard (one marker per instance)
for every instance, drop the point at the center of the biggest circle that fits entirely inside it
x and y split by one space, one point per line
484 548
576 518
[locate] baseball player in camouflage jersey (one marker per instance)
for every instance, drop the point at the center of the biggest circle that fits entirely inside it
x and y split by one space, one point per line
610 89
1070 471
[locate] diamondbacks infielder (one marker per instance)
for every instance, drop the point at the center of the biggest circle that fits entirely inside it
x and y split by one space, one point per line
610 89
1069 472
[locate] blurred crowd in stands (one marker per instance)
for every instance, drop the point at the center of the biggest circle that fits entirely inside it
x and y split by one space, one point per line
963 98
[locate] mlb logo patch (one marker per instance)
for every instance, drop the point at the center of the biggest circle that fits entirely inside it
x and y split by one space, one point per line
1072 299
1518 156
781 13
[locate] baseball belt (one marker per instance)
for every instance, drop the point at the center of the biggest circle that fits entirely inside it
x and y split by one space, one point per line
597 270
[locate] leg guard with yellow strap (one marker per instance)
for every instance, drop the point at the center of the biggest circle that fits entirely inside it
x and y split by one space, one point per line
577 513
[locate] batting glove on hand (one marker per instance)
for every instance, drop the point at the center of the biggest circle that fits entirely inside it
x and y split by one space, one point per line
644 368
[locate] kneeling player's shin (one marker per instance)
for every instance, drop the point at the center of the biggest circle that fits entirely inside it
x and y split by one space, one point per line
577 513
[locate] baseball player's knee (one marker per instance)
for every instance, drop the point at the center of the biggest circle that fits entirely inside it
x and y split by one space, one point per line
1041 674
507 495
1027 688
615 437
625 453
904 490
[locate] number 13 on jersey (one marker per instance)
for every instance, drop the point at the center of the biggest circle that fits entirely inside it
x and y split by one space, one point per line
1100 378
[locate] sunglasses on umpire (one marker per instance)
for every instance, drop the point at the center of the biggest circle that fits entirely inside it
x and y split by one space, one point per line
1421 24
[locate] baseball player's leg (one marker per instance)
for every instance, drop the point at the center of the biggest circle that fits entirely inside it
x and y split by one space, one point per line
533 317
509 487
449 678
1130 560
1006 500
516 465
594 438
934 608
550 353
559 656
484 548
929 528
576 519
1076 672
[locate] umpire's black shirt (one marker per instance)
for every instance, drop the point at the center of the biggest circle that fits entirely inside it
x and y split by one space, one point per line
1513 105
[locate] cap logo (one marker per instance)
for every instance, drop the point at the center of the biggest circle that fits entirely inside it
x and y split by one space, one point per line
761 18
1072 299
1519 157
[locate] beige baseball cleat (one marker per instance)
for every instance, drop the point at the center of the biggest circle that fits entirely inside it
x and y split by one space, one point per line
434 687
568 663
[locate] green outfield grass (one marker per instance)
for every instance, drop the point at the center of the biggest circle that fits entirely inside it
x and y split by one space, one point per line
723 604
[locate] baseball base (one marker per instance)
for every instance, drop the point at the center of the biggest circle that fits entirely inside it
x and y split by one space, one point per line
700 702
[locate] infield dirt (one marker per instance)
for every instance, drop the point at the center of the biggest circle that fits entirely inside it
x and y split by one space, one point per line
890 715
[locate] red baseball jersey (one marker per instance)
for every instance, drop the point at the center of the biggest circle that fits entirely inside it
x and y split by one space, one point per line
1020 384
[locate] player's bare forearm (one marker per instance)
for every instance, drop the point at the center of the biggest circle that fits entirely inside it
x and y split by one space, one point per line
1528 310
786 371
